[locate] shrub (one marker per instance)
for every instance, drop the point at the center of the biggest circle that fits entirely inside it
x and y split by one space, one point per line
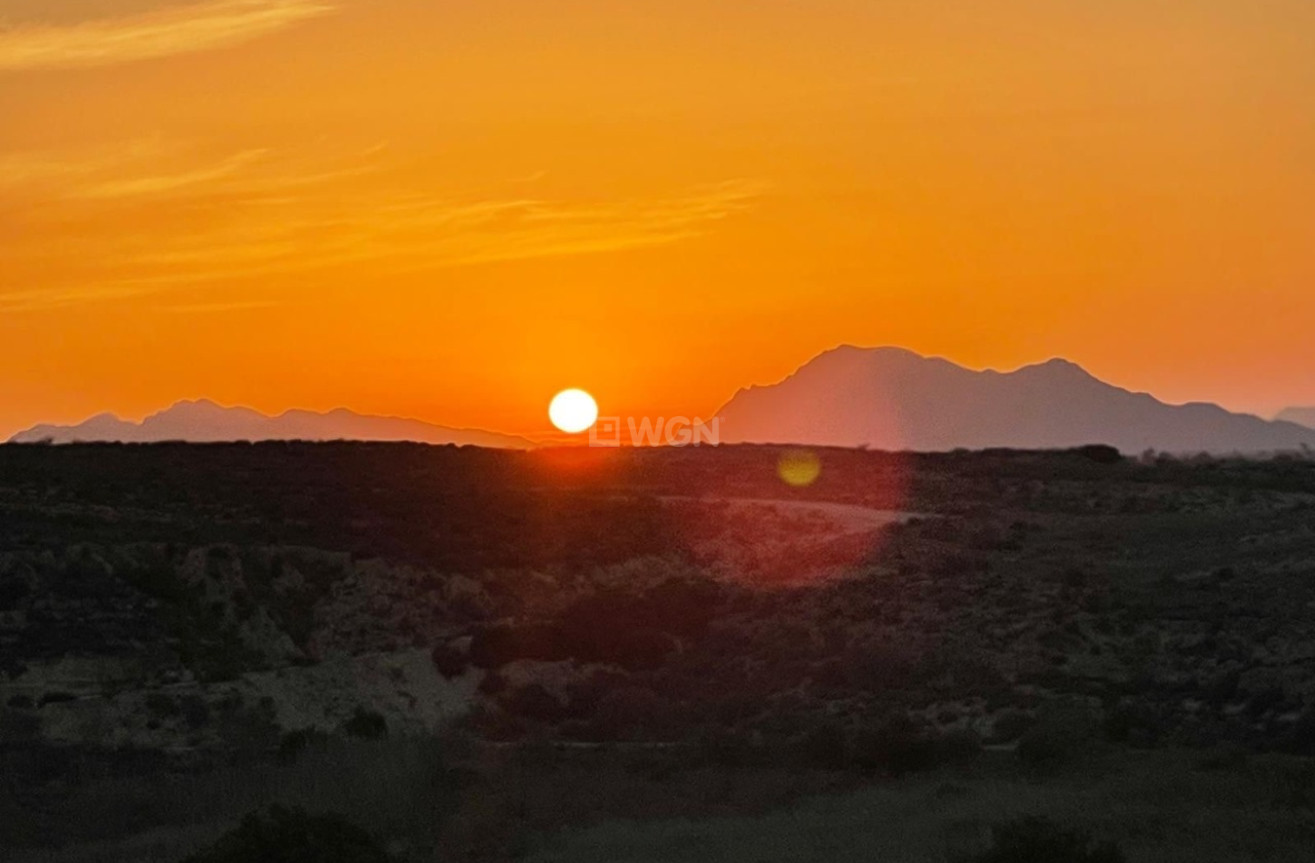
19 726
1229 757
1010 725
1059 734
161 705
367 724
195 711
898 746
12 590
825 746
449 661
292 836
722 747
629 711
1099 453
293 743
533 702
1301 740
1136 723
56 698
1039 840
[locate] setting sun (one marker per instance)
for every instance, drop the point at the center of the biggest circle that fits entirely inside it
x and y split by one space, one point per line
573 411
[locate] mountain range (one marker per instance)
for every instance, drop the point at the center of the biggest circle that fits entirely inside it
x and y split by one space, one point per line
895 399
204 421
882 398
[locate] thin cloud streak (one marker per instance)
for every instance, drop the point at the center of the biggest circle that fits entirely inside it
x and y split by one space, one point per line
164 33
220 307
248 216
66 169
434 232
167 183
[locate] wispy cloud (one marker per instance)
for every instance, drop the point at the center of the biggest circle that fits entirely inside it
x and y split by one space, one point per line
66 168
405 232
166 183
163 33
220 307
40 299
102 227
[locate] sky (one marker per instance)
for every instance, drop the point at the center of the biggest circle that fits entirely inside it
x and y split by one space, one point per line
452 210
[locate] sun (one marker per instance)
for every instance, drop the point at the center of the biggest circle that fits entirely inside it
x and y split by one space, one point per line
573 411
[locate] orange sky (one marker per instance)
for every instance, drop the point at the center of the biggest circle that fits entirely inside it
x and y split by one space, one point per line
451 210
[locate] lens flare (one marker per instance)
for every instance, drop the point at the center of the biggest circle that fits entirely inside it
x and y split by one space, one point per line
799 468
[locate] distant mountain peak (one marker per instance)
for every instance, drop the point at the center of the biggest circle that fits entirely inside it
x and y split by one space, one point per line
1300 416
879 350
888 353
1058 363
1057 367
892 398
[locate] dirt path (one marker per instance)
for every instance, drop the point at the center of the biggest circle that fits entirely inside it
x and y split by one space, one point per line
852 518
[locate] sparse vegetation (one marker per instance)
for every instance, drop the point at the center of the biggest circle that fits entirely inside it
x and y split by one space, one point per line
293 836
1038 840
257 605
366 723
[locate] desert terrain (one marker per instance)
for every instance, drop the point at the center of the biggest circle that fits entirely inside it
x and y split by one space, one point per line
657 654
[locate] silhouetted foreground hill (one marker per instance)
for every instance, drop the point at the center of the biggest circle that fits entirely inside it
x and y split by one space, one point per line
206 422
1300 416
890 398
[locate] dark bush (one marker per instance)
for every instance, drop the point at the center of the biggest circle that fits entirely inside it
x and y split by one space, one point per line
826 746
1301 740
681 607
492 684
899 746
1060 734
56 698
1011 725
957 746
1221 688
606 640
449 661
495 646
293 743
533 702
12 590
629 710
18 726
881 666
160 704
367 724
1039 840
292 836
195 711
634 650
721 747
1265 700
1100 453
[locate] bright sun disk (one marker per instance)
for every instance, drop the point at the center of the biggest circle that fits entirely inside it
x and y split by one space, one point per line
573 411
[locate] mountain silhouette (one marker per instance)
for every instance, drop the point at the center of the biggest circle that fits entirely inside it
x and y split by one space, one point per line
204 421
1300 416
891 398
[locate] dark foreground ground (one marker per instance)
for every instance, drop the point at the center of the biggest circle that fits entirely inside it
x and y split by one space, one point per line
655 654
